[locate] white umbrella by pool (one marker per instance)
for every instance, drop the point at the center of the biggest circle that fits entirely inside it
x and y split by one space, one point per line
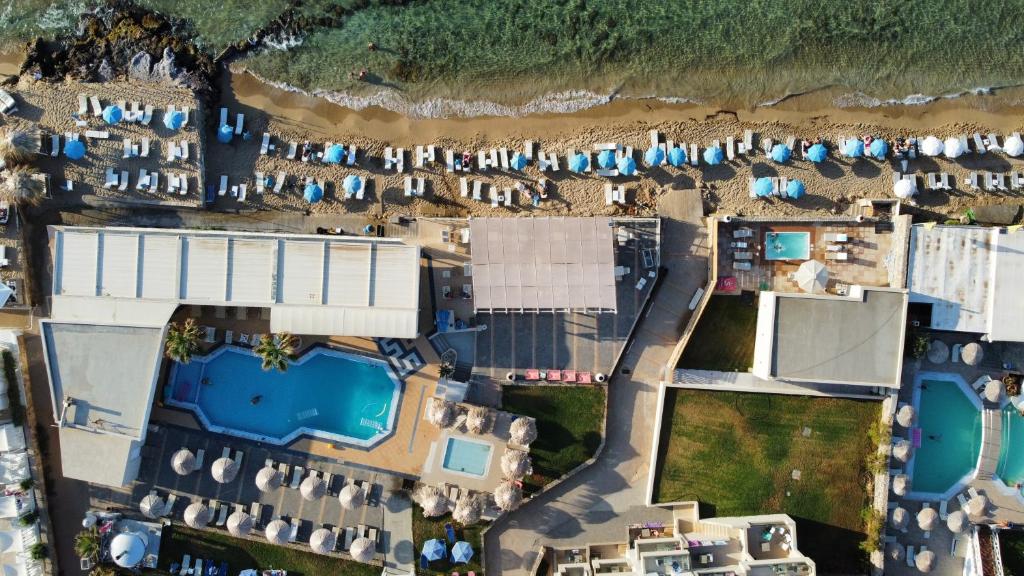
151 506
811 276
183 462
900 518
362 550
351 497
932 146
268 479
468 509
322 541
900 484
994 391
896 551
523 431
977 505
312 488
239 523
905 416
926 519
938 352
972 354
1013 146
901 450
508 496
224 470
925 561
905 189
432 500
956 521
198 515
952 148
441 413
516 464
277 532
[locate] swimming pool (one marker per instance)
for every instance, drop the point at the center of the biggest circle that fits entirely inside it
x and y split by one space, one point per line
787 245
465 456
1011 461
950 434
326 393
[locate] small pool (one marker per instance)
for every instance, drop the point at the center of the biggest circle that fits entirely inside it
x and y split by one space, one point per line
465 456
787 245
1011 459
950 435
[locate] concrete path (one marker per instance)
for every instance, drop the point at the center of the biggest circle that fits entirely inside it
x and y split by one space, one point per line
596 504
399 550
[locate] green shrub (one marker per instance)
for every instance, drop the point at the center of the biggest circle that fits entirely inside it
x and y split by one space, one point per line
13 395
38 551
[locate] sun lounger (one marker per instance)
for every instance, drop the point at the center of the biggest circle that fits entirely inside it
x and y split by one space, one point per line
449 160
463 187
136 113
98 134
990 182
836 256
147 116
481 160
223 516
979 144
239 121
400 160
1000 181
694 160
296 477
494 198
200 456
553 161
494 158
993 142
944 181
608 194
242 189
294 532
97 110
265 144
223 185
169 504
145 148
504 158
477 186
420 186
508 197
743 255
972 180
783 183
172 183
183 148
730 145
183 182
143 181
54 145
111 180
910 556
418 157
409 191
748 141
932 180
124 181
568 376
743 233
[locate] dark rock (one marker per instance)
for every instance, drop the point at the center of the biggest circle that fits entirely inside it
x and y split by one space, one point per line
139 67
165 70
105 72
1000 214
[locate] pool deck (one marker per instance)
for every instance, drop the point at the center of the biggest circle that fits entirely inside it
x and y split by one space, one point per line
435 474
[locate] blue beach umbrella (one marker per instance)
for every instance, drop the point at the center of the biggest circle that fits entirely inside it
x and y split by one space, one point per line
352 184
578 163
225 133
334 154
518 161
713 155
433 550
854 149
677 156
879 148
74 149
817 153
763 187
654 156
627 166
174 120
795 189
313 193
780 153
112 114
606 159
461 552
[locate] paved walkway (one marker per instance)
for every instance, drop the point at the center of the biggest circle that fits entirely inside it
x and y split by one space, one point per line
399 550
596 504
747 382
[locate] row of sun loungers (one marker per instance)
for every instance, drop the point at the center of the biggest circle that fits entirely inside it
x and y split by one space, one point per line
149 181
136 112
993 182
570 376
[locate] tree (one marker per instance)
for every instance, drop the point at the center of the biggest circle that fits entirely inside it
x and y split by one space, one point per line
22 186
38 551
446 370
87 544
18 146
276 351
182 341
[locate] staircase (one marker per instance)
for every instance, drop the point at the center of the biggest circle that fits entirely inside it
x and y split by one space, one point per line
992 432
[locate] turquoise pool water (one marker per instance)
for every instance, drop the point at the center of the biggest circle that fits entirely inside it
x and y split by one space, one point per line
1011 458
787 245
467 456
326 393
950 437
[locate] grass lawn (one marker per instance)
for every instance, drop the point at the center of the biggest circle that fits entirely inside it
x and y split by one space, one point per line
735 454
1011 546
724 338
424 529
240 554
568 427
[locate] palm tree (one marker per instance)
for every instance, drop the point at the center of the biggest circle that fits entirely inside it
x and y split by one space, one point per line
446 370
276 351
18 146
182 341
22 186
87 544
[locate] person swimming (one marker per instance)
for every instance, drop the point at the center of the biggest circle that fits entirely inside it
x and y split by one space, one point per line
256 399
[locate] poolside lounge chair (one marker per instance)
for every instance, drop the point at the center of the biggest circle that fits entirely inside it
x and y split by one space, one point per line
297 474
955 354
409 191
186 564
554 376
169 504
837 256
223 516
147 116
418 156
1000 181
972 492
350 535
743 256
743 233
97 134
943 509
294 533
993 142
200 456
143 181
932 180
962 500
568 376
449 160
746 266
528 150
238 458
54 145
910 556
585 378
837 237
229 336
532 374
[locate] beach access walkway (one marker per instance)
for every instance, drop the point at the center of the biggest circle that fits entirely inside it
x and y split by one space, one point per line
597 503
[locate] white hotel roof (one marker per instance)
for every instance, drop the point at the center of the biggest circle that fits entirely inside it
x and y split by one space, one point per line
312 284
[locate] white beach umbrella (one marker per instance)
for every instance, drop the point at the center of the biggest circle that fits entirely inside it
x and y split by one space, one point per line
523 431
441 413
268 479
925 561
938 352
952 148
277 532
905 189
351 497
972 354
956 521
900 518
905 416
224 470
468 509
926 519
900 484
877 559
896 551
322 541
1013 146
508 496
198 515
312 488
239 523
151 506
516 464
811 276
183 462
479 420
432 500
977 505
362 550
932 146
902 449
994 391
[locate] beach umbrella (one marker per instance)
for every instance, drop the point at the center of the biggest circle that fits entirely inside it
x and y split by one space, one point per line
578 163
198 515
896 551
606 159
433 501
956 521
268 479
112 114
938 352
905 415
952 148
74 149
905 188
1013 146
713 155
239 523
183 462
518 161
932 146
224 470
900 484
817 153
927 518
225 133
901 450
334 154
854 148
352 184
795 189
433 549
312 488
508 496
977 505
627 166
351 497
900 518
811 276
362 550
126 550
677 156
763 187
277 532
994 391
461 552
441 413
479 419
878 149
877 560
151 506
516 464
174 120
523 431
468 509
313 193
322 541
654 156
781 153
925 561
972 354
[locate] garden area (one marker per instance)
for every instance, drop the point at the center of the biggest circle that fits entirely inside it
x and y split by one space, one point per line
1011 548
724 337
424 529
741 454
